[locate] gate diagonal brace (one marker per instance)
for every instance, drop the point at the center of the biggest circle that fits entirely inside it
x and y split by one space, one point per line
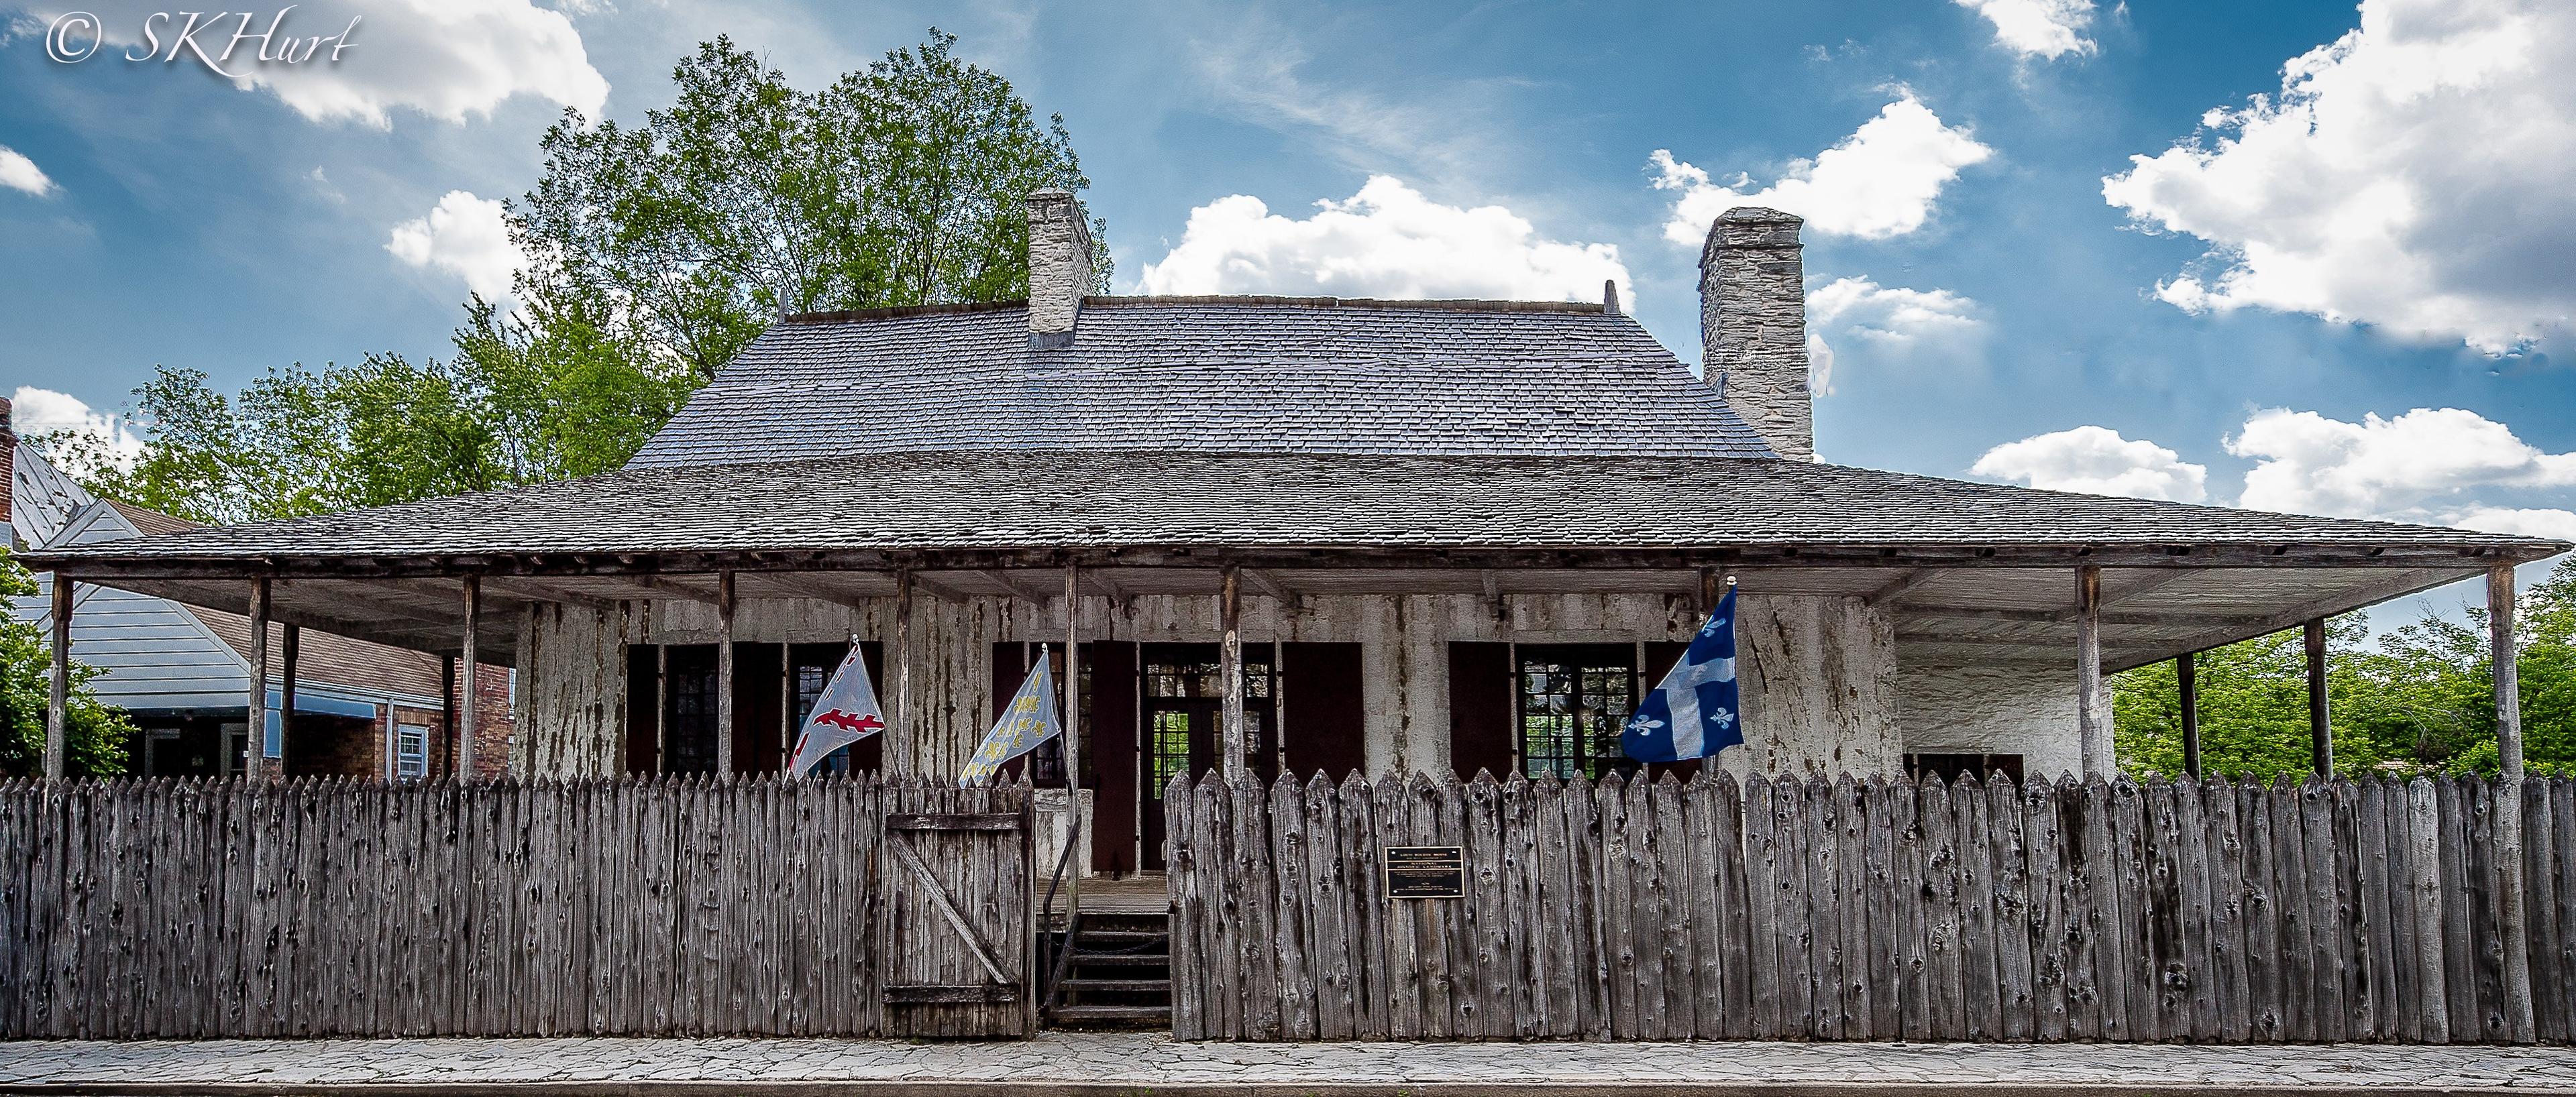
939 895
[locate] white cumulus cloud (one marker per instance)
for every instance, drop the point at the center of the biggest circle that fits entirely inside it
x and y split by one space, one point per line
1879 182
2554 523
1386 241
465 236
19 173
1857 311
2038 28
2412 175
34 411
2096 461
2433 466
2429 464
443 58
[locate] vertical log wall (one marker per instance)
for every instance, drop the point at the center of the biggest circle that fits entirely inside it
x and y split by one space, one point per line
195 909
1814 910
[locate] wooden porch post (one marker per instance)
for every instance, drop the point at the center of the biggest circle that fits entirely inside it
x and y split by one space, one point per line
1230 662
661 709
255 725
58 688
2508 672
1073 739
724 674
895 757
447 715
2092 725
2320 721
786 704
469 693
292 653
2187 673
2512 914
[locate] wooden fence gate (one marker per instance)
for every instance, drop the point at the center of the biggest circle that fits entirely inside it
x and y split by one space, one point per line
957 927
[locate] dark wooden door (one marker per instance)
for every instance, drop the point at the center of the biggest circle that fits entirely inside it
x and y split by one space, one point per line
1180 736
955 921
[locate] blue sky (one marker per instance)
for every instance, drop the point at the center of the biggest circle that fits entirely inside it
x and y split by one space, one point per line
2390 234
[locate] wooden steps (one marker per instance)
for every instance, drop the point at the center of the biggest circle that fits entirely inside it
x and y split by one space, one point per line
1117 976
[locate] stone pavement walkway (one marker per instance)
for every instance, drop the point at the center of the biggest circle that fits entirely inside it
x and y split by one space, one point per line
1105 1063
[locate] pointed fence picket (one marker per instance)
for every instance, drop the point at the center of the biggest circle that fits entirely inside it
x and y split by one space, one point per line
1806 909
171 909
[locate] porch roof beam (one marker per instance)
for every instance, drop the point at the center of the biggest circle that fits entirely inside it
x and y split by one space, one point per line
1267 585
805 584
2468 560
1009 587
2345 601
390 606
517 590
1899 587
526 591
2068 616
671 585
938 588
2144 585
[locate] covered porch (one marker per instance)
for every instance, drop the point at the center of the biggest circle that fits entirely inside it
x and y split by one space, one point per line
1260 612
1870 661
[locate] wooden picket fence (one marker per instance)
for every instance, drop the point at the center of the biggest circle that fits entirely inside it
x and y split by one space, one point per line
196 909
1815 910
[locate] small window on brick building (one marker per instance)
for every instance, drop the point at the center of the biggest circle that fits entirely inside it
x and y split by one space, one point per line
411 752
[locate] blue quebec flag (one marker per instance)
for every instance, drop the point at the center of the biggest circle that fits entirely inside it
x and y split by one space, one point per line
1692 713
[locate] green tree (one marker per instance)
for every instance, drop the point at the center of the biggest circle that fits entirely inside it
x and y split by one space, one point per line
746 199
2422 698
96 734
654 253
522 402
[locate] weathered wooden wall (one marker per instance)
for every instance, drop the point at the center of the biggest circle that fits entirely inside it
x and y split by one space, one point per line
1815 910
569 725
1819 673
168 909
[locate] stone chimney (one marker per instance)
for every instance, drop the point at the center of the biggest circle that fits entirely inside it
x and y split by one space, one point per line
1059 266
1753 325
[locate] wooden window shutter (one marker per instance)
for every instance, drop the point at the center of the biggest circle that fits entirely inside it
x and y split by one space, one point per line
1480 709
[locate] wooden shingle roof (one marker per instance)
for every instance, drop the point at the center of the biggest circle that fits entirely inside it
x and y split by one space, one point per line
1265 374
1019 499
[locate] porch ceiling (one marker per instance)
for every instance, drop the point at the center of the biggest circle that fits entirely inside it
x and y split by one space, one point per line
1998 616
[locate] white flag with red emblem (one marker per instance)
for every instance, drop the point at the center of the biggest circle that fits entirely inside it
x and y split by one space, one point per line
846 713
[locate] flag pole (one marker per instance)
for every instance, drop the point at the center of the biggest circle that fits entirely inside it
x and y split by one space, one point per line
1708 598
1072 739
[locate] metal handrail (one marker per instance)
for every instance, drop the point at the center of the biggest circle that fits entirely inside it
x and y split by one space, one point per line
1072 915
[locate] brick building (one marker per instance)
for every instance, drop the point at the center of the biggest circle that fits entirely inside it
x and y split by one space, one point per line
182 671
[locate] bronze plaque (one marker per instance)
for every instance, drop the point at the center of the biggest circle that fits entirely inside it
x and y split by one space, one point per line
1426 872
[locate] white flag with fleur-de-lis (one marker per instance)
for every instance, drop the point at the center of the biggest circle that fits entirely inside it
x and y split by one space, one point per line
1029 721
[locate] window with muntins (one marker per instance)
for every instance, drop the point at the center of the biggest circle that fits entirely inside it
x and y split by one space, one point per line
411 752
1572 700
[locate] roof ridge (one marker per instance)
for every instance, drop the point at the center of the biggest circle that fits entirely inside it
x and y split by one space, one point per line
896 312
1442 304
1426 304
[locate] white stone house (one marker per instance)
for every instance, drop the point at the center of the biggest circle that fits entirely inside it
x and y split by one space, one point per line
1423 535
